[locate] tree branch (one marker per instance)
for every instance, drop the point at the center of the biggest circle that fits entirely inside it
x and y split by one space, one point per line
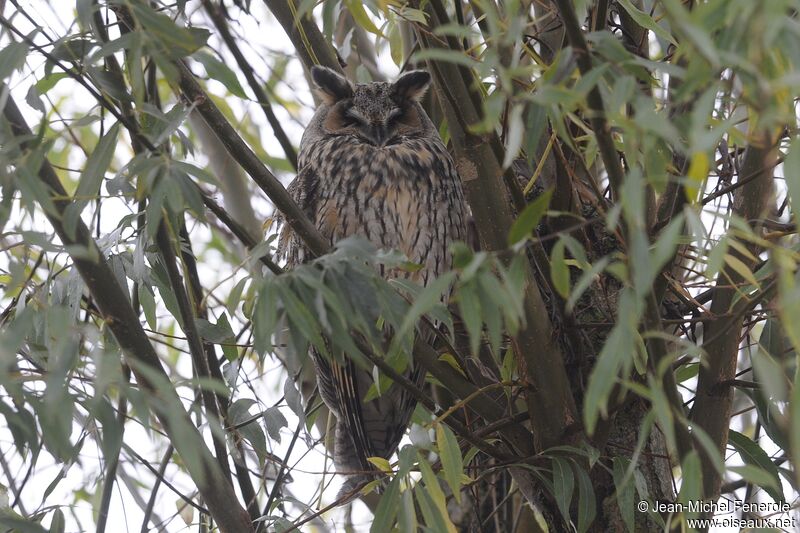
251 164
215 13
602 131
540 361
713 403
139 353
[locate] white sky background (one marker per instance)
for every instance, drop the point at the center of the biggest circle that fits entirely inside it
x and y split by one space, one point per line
259 32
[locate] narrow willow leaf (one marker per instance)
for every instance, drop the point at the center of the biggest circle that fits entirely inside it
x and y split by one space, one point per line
740 268
792 175
446 56
794 427
148 303
292 396
559 271
19 524
563 485
360 15
382 464
646 21
221 72
57 522
387 508
396 43
691 478
616 355
431 483
586 500
426 300
174 42
407 519
756 457
624 486
436 518
530 217
697 174
757 476
92 177
452 462
469 306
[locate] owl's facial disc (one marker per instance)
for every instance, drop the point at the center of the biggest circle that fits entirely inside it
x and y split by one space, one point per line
376 113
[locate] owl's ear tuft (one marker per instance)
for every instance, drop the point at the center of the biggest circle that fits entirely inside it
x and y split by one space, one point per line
332 85
412 85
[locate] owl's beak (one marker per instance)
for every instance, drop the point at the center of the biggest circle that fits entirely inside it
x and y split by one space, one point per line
378 133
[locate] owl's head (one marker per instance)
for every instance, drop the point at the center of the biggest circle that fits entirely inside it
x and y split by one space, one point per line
377 113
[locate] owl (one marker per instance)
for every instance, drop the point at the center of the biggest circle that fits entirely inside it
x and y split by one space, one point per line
372 164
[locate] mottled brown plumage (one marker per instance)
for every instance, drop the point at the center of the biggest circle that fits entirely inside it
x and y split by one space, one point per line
372 164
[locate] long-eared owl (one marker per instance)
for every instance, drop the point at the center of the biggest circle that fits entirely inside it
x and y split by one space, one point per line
372 164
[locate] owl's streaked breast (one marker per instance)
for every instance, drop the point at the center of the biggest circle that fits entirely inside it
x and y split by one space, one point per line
403 196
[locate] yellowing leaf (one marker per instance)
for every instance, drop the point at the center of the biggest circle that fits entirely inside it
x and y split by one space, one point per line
361 17
381 463
740 268
698 172
450 360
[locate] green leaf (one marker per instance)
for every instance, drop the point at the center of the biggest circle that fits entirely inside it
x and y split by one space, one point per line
396 43
559 271
12 58
586 500
436 517
616 355
530 217
446 56
292 397
452 462
265 318
794 420
219 71
469 306
756 457
173 41
426 300
57 524
49 81
742 269
691 478
359 14
646 21
624 485
563 485
407 519
91 177
73 48
697 35
791 174
275 422
17 524
431 483
387 508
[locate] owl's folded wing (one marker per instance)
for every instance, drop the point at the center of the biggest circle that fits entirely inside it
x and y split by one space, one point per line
302 189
